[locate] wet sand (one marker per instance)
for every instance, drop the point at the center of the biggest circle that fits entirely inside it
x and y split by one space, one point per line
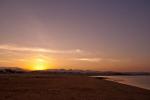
57 87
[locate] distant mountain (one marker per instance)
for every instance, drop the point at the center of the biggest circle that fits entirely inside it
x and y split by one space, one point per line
7 70
89 72
64 71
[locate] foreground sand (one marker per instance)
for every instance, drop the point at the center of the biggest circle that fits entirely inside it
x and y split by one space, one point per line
44 87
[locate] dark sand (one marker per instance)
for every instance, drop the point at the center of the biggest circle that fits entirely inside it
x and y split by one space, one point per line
44 87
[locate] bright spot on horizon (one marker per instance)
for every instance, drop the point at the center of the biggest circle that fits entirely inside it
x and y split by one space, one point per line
40 64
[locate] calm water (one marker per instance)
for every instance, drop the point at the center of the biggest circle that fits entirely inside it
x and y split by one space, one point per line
139 81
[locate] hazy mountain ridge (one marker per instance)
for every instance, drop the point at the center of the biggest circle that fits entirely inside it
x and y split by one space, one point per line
7 70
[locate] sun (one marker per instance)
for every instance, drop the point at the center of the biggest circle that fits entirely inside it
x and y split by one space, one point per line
40 64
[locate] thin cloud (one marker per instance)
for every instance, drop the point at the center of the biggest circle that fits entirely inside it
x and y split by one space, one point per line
113 60
89 59
98 59
29 49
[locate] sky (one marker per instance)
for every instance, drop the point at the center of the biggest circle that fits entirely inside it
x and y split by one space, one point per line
104 35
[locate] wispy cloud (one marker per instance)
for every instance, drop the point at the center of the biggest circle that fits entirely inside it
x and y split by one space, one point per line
98 59
30 49
89 59
113 60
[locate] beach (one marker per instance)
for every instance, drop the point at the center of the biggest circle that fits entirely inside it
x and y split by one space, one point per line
65 87
142 81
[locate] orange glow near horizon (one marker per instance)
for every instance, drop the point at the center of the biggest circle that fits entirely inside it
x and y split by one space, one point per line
38 64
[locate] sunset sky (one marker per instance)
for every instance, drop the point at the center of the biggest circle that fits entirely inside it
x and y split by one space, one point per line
112 35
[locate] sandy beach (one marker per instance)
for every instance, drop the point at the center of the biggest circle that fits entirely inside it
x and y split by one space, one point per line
45 87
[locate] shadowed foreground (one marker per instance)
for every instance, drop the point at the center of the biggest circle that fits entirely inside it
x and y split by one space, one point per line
44 87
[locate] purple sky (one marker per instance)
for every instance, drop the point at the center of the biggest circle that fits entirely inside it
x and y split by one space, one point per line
77 34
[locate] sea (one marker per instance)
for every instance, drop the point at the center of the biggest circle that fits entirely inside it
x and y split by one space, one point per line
138 81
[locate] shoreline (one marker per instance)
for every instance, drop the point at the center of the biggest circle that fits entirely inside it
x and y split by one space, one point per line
124 80
57 87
